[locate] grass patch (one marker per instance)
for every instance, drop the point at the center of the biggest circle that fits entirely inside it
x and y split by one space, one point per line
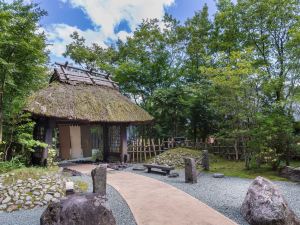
29 172
7 166
237 169
295 164
174 157
81 186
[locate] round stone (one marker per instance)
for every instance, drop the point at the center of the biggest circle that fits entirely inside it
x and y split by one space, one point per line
28 203
36 193
48 197
12 208
6 200
19 202
173 175
139 168
3 206
57 195
218 175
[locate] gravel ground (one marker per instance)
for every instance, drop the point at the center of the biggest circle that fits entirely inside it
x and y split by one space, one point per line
226 194
117 204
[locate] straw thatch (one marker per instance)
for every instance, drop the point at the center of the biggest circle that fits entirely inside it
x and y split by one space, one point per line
84 102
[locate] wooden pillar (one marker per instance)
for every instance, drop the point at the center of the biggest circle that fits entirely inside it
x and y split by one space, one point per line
105 143
123 140
48 140
86 140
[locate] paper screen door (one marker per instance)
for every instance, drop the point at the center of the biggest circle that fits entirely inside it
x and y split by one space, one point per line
76 150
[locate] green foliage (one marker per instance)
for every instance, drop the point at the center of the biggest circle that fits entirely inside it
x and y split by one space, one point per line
7 166
272 138
23 57
235 76
169 106
21 143
51 157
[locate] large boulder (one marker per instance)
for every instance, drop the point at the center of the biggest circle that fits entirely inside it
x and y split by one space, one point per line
79 209
291 173
265 205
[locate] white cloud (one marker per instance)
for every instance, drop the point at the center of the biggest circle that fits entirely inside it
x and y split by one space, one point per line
59 36
105 15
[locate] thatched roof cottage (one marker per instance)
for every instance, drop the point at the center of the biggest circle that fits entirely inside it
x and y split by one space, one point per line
87 110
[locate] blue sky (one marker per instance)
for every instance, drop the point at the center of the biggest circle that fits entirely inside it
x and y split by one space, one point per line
102 21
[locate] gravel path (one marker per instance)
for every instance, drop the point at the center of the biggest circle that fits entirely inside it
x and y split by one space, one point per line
117 204
226 194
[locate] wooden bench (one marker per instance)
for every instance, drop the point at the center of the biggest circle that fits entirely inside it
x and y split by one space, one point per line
165 169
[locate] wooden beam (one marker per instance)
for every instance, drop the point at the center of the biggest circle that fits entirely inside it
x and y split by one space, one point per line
105 143
86 140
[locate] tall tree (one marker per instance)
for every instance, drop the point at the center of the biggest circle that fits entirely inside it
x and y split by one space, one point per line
22 56
150 59
268 26
198 40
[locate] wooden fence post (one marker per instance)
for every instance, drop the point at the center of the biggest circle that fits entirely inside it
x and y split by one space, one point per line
149 147
159 145
153 145
144 149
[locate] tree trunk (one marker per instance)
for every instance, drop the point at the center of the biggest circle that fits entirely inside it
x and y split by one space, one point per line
1 116
236 150
288 155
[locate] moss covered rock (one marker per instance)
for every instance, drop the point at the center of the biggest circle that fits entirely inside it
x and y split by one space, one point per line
175 157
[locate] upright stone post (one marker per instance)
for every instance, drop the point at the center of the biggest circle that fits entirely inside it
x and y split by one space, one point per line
190 170
99 179
205 160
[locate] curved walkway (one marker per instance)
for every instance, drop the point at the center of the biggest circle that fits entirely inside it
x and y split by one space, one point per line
153 202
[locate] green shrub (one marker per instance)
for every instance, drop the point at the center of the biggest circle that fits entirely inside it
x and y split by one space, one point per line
7 166
51 157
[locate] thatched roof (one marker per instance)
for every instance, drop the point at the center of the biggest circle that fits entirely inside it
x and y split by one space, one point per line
84 101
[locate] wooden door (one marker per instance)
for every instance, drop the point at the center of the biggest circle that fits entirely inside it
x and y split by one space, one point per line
64 141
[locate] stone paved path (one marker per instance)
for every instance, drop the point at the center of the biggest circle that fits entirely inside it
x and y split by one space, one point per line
153 202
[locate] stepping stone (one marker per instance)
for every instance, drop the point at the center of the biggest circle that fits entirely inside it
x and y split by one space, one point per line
139 168
173 175
218 175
